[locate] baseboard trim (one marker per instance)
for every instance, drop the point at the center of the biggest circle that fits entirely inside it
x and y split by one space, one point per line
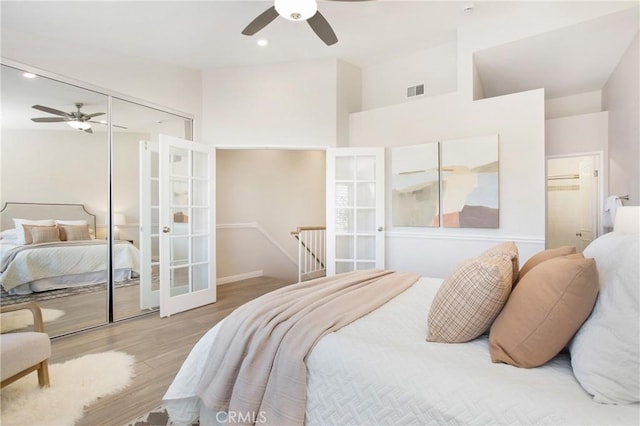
239 277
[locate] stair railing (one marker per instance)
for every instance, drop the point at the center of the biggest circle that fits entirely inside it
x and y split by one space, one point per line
311 251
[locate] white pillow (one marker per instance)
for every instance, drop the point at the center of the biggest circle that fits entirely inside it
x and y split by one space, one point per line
71 222
605 352
20 238
8 234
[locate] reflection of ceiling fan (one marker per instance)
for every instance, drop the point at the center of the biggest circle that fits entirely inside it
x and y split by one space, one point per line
296 10
76 119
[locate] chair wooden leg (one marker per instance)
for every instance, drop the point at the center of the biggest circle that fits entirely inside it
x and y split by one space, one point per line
43 374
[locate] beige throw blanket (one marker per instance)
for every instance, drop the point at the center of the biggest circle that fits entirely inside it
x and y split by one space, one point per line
257 370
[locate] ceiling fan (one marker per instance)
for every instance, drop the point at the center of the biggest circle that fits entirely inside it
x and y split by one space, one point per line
76 119
296 10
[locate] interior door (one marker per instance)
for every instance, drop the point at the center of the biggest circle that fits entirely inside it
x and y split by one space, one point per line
355 209
187 218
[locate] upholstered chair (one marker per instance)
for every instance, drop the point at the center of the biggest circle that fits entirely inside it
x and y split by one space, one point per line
23 352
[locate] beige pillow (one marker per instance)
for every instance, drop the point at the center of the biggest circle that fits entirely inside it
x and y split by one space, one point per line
510 250
28 235
44 234
544 312
74 232
544 255
470 299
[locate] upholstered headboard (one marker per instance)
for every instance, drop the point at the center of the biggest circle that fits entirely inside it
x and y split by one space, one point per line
37 211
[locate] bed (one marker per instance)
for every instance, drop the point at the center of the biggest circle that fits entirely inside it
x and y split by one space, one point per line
46 263
380 369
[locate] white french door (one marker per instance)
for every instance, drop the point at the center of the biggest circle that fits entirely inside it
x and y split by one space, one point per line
187 215
355 209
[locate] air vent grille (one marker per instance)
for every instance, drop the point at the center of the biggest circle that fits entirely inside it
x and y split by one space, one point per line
415 90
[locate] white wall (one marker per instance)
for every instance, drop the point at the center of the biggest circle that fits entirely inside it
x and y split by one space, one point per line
620 97
582 103
577 134
348 98
518 119
287 104
386 83
161 84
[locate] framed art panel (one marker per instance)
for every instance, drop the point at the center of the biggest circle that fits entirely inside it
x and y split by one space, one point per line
415 186
470 177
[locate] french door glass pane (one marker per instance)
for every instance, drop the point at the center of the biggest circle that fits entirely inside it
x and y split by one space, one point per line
179 160
344 247
200 165
200 220
366 220
345 168
366 168
200 276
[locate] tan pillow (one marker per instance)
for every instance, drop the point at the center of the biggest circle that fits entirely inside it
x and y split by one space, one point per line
44 234
510 250
74 232
470 299
540 257
28 235
544 312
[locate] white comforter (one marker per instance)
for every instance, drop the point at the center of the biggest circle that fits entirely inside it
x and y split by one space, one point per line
380 370
61 260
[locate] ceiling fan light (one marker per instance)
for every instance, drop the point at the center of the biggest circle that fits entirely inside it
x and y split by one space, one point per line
296 10
79 125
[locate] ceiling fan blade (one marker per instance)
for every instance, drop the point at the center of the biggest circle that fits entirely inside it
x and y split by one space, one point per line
264 19
88 130
50 119
95 114
321 27
51 110
105 123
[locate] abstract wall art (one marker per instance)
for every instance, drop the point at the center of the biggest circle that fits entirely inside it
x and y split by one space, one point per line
470 176
415 186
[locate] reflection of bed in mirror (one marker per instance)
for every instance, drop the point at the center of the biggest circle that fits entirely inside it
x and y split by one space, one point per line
56 248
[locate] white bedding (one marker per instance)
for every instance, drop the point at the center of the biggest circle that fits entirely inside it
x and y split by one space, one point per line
61 264
380 370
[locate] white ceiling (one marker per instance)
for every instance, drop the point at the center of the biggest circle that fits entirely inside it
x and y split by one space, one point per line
206 34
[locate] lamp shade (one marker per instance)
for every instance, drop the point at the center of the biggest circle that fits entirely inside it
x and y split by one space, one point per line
119 219
296 10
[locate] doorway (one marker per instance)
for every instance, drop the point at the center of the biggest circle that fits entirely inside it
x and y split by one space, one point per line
573 200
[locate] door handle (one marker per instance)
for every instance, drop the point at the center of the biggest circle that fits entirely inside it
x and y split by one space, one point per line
578 234
166 229
380 228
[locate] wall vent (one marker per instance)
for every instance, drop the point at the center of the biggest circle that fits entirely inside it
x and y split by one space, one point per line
415 90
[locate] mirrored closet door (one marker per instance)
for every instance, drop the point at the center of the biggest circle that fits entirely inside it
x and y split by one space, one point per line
54 172
73 162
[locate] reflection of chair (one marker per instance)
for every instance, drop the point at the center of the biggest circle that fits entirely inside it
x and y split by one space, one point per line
24 352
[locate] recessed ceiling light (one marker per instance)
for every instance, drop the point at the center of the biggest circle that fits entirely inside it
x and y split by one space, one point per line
263 42
28 75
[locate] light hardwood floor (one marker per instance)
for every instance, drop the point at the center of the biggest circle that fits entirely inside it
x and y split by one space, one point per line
159 345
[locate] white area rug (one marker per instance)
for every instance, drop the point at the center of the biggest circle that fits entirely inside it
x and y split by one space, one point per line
16 320
75 384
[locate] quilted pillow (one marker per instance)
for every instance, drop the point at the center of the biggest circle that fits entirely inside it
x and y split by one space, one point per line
44 234
510 250
605 353
469 299
74 232
544 311
540 257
